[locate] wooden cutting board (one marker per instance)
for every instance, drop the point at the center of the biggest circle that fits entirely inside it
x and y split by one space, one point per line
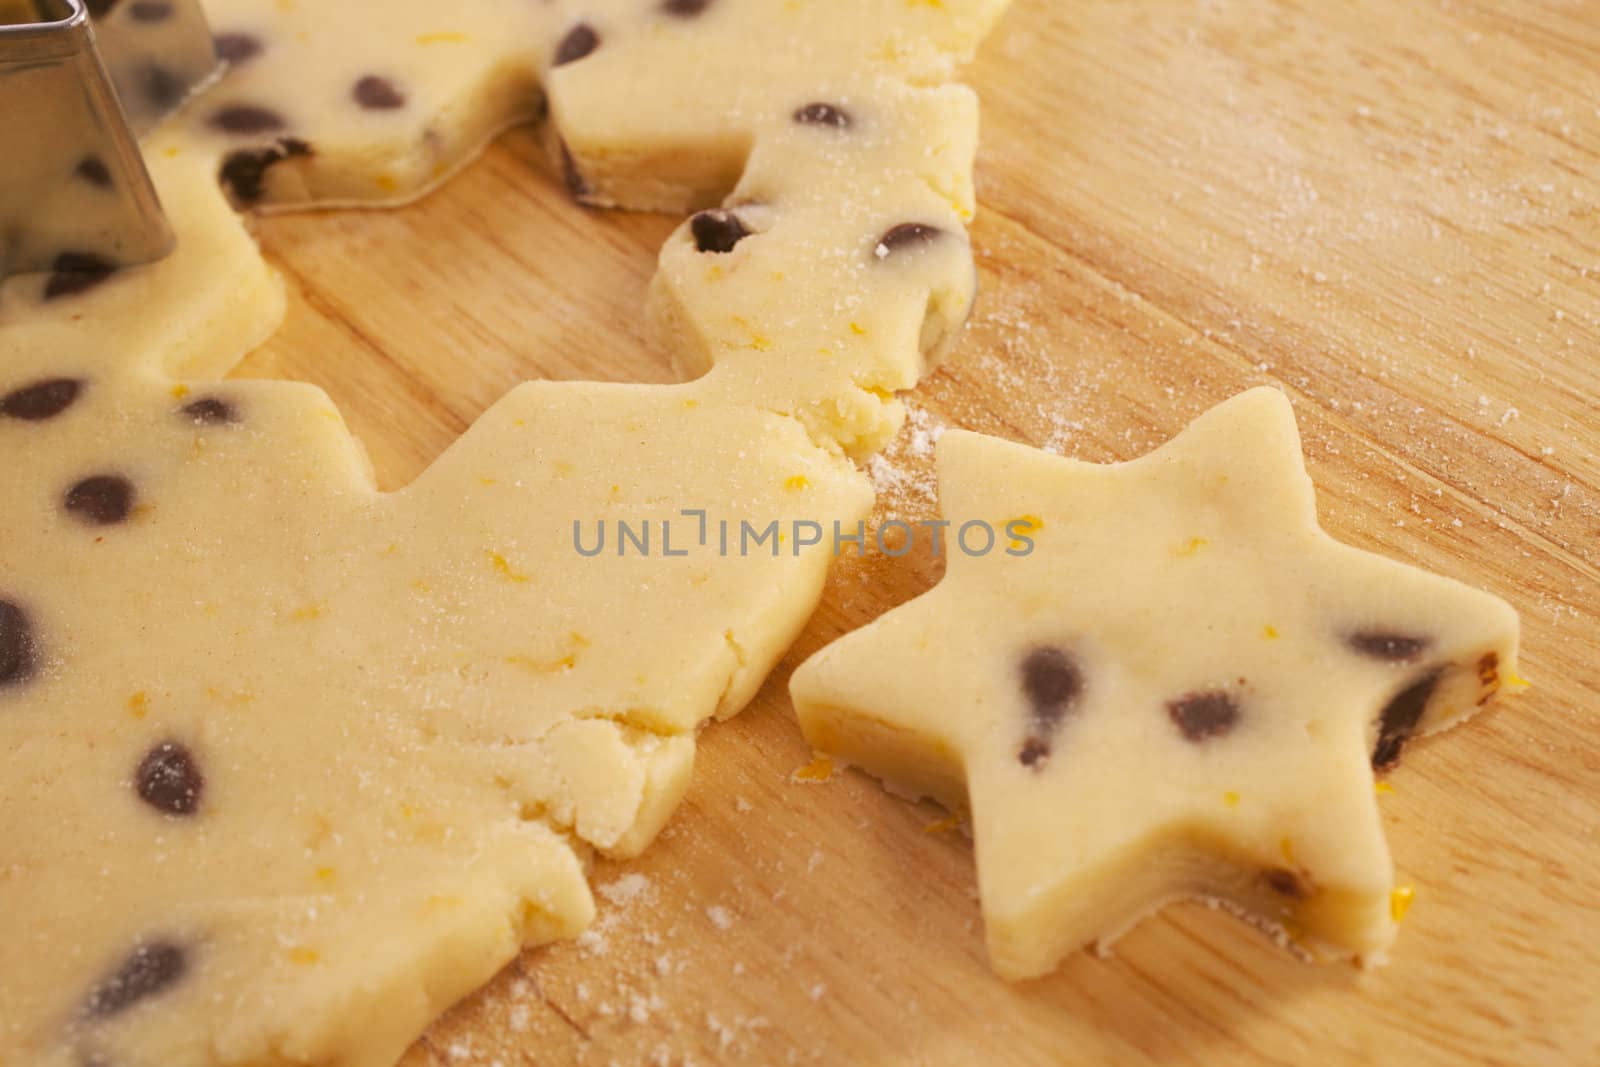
1387 207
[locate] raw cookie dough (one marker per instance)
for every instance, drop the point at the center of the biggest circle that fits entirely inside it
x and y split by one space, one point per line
296 764
837 268
337 753
1167 682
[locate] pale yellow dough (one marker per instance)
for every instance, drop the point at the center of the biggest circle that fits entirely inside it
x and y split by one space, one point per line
414 712
1179 691
670 113
411 718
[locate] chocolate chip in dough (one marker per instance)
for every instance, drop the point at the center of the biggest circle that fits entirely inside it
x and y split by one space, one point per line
42 399
717 231
579 42
906 236
76 272
820 114
101 500
150 970
237 48
244 172
247 119
571 174
1033 752
169 779
685 8
93 170
1399 721
164 89
1052 682
1202 716
1288 883
150 11
1489 674
210 411
1388 646
100 8
378 94
16 644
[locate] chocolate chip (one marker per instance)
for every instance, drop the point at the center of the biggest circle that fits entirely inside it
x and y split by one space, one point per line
42 399
100 8
571 174
579 42
378 94
1399 721
1391 647
210 411
685 8
150 970
717 231
904 236
16 644
247 119
93 170
237 48
1034 752
1489 670
169 779
1289 883
101 500
820 114
150 11
77 272
1053 682
159 85
1200 716
244 172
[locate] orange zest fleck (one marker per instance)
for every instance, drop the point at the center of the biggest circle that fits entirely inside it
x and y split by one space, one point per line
503 568
818 770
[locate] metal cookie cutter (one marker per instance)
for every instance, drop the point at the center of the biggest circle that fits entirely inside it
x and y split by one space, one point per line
80 81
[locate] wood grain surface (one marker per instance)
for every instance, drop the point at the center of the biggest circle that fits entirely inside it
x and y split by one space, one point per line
1390 208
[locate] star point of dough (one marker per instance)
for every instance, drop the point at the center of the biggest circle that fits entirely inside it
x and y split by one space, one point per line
1181 692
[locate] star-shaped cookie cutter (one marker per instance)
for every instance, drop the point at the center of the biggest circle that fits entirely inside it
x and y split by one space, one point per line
80 82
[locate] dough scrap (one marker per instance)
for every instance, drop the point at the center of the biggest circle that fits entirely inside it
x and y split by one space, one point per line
714 108
297 763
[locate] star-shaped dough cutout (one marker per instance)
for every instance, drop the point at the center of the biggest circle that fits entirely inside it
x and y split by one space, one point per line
1168 682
